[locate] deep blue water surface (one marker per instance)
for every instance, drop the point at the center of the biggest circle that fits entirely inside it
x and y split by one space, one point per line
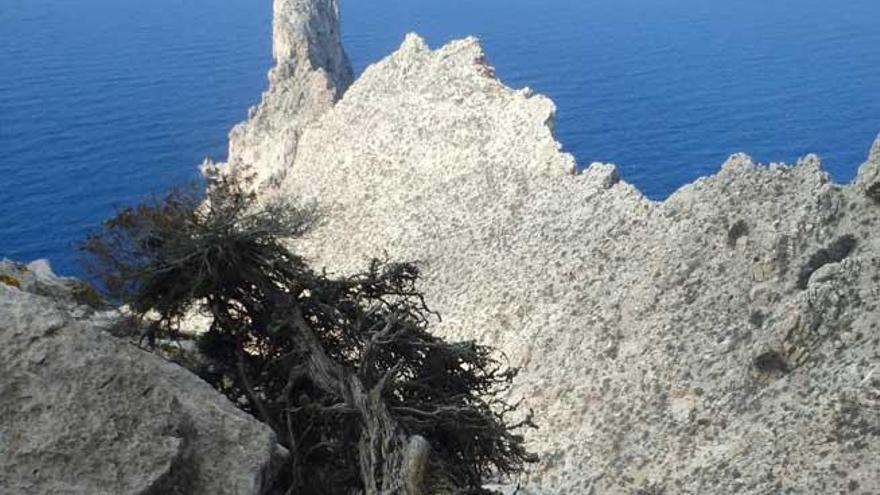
105 101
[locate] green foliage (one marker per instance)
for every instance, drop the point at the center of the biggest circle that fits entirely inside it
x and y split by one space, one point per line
86 295
10 281
344 369
169 254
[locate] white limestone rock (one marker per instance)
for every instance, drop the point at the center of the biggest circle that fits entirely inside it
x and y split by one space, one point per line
716 342
311 72
86 413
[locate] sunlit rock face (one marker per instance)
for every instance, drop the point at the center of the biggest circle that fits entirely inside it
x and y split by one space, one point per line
311 72
724 340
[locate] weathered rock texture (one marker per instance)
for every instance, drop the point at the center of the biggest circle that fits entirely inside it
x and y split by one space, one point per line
311 72
85 413
725 340
38 278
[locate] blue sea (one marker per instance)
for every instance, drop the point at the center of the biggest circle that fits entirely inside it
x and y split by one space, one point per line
103 102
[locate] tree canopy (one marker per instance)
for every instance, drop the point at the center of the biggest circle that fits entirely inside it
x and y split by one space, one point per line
345 369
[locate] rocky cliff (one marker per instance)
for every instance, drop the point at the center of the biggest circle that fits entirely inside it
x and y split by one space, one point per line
311 72
724 340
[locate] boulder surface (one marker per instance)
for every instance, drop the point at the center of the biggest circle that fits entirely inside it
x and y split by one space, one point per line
86 413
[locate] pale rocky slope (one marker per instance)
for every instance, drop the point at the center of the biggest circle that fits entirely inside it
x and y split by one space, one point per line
85 413
724 340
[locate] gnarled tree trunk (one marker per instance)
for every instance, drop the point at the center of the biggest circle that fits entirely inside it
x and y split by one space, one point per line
391 462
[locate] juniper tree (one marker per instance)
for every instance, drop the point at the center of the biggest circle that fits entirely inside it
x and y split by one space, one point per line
344 369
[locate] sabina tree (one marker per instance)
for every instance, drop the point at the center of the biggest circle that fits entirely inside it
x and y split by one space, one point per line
345 369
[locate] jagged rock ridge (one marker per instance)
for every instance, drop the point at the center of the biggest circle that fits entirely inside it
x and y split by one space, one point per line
722 341
311 72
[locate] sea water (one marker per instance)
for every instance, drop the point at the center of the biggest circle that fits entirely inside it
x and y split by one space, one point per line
104 102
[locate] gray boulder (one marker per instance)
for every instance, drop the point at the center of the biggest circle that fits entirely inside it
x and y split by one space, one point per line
85 413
